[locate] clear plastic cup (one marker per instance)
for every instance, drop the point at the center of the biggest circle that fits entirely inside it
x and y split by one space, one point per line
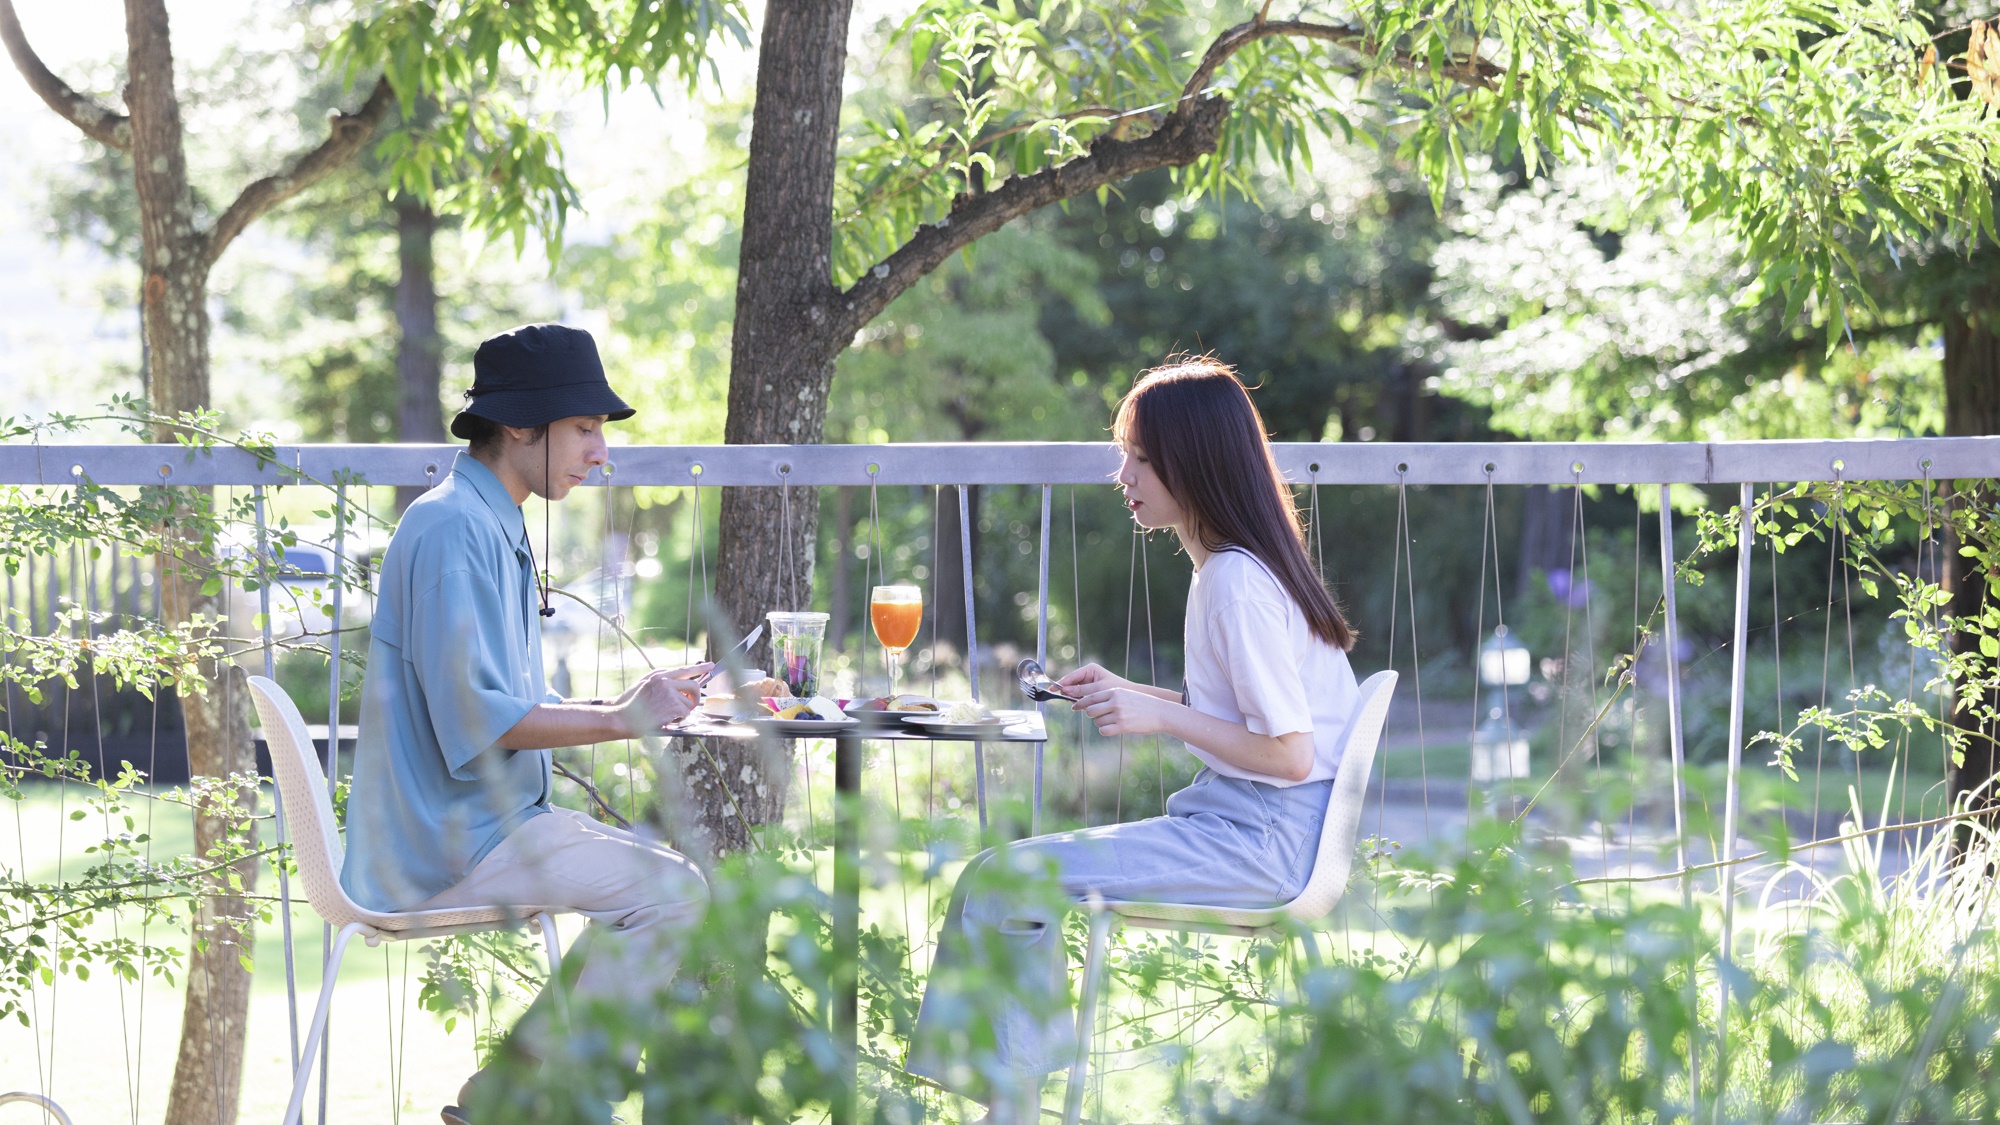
798 641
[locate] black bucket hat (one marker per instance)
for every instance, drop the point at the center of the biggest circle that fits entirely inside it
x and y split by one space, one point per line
536 374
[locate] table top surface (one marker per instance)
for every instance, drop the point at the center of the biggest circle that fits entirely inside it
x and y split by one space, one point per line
1021 726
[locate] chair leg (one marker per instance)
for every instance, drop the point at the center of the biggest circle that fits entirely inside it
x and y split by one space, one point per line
1086 1016
1311 941
553 942
306 1056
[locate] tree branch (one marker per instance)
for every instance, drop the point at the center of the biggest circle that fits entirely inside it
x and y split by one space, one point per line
345 136
1469 69
1183 136
109 128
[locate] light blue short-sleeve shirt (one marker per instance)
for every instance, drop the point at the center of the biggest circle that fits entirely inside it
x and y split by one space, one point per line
454 661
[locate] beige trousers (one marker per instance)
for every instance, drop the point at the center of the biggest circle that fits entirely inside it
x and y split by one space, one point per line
641 897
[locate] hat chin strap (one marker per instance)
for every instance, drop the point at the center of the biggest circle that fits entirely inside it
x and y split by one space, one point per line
542 582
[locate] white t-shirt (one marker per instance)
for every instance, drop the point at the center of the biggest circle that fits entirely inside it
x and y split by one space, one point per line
1252 659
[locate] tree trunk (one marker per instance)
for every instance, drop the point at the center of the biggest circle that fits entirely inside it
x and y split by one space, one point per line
419 349
1972 407
208 1073
1547 519
784 342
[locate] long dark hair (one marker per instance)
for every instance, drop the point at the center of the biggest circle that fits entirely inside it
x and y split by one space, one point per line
1197 425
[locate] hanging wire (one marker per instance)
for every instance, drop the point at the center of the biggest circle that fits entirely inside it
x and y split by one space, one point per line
62 804
145 918
277 795
1847 613
937 563
1406 542
97 716
1594 679
1933 534
1131 591
1479 636
1569 620
330 765
1153 669
618 623
1638 643
597 637
20 836
791 562
880 568
930 747
1826 644
1076 614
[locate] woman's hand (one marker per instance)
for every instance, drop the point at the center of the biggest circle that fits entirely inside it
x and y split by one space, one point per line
1127 710
1090 678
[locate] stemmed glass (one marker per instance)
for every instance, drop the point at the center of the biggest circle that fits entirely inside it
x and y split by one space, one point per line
897 612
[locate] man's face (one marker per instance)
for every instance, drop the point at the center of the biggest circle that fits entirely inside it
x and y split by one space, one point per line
573 447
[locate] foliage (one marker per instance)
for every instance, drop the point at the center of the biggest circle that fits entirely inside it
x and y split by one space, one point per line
1518 996
1572 318
1803 128
48 928
483 153
1869 524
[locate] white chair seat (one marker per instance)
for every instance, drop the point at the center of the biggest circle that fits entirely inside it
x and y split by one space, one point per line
429 923
1243 921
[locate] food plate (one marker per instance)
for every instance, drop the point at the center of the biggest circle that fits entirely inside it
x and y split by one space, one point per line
880 718
937 725
833 722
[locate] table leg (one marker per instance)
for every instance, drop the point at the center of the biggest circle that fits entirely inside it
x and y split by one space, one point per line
846 918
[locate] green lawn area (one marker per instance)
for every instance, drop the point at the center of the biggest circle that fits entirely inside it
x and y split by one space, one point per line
101 1041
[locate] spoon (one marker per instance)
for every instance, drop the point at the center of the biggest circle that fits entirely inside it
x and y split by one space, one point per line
1036 684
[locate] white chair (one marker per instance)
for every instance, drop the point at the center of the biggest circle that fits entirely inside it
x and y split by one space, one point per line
1321 893
315 840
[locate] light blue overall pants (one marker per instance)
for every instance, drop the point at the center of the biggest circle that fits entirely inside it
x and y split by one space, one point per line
1223 842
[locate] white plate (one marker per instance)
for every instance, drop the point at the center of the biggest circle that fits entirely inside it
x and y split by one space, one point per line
936 725
803 728
885 720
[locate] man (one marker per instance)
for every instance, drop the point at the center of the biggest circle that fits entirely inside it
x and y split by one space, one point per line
450 798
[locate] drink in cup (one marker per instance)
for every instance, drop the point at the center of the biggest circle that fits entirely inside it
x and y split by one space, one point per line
797 641
897 612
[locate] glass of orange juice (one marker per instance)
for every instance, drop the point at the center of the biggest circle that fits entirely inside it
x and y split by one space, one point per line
897 612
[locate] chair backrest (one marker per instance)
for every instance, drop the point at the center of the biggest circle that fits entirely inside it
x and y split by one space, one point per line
1343 806
309 824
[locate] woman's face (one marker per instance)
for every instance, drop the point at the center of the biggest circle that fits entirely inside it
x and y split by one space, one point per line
1151 505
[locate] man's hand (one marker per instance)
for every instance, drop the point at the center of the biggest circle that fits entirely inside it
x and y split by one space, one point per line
1126 710
661 698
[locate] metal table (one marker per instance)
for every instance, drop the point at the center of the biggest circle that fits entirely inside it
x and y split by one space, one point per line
1021 726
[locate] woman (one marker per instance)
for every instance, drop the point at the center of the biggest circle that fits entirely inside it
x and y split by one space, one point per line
1269 695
